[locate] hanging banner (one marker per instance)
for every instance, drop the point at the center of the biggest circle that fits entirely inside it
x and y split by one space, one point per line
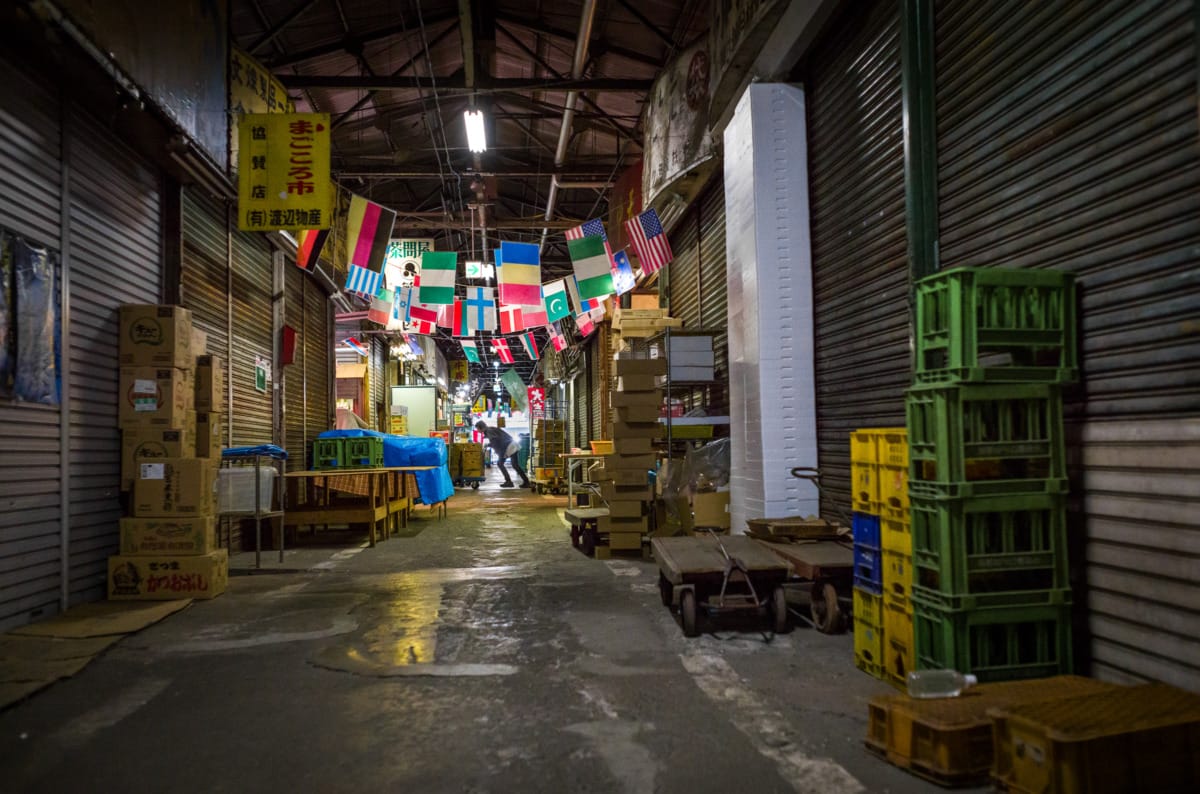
678 141
283 172
252 89
537 398
460 371
403 260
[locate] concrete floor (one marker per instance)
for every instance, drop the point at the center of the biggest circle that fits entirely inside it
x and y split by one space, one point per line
481 654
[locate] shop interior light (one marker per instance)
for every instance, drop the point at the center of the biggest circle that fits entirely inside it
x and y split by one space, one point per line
476 139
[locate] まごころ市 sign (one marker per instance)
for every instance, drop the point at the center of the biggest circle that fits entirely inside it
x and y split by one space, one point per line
283 172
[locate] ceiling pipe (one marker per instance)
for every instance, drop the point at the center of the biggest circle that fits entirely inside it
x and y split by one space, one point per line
586 17
597 185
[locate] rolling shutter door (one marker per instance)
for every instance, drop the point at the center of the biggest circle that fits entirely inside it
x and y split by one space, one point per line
598 385
579 413
252 280
204 278
294 421
714 292
1068 141
116 258
30 507
860 267
318 358
684 270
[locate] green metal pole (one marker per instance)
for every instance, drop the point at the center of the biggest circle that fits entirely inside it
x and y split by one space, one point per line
920 135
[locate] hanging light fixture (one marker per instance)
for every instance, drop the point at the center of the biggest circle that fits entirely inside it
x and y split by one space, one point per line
476 139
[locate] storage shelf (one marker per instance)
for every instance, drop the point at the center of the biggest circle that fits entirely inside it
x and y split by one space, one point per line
696 420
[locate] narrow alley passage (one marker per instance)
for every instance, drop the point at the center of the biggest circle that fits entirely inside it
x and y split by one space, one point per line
480 653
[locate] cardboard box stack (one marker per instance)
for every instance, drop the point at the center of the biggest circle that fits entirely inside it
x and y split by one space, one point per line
466 460
635 427
550 440
171 403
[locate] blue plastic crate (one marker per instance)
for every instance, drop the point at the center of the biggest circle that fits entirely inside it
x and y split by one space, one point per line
866 530
868 568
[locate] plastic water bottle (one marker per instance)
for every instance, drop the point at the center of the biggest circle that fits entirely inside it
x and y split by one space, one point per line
938 683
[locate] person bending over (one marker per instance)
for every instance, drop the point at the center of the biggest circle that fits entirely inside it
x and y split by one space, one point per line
506 449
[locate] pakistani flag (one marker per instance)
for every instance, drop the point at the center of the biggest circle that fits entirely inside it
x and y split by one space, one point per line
438 269
593 268
471 351
554 297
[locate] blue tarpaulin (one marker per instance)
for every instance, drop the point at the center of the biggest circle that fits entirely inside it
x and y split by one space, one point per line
434 485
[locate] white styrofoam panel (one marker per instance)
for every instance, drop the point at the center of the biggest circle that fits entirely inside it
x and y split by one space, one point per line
770 302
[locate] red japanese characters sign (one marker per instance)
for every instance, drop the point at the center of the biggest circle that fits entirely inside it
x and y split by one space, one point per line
537 399
283 172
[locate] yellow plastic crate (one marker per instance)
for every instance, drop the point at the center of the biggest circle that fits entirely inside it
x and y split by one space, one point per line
897 575
896 534
868 633
601 447
864 487
864 446
898 640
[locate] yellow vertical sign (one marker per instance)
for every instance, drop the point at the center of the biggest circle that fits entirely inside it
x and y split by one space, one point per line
283 172
459 371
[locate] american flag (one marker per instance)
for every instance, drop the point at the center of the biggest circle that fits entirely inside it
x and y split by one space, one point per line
501 347
650 241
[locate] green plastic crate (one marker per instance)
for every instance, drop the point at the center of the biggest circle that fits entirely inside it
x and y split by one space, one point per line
1001 643
365 452
969 547
327 453
1002 434
976 325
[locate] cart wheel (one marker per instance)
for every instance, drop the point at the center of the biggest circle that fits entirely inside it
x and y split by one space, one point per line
666 590
826 614
475 486
778 611
687 611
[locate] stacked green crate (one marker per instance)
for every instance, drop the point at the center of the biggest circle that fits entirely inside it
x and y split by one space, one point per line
987 472
365 452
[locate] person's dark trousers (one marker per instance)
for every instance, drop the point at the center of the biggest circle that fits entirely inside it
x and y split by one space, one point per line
516 467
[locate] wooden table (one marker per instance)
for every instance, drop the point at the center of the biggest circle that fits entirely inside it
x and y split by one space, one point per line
377 497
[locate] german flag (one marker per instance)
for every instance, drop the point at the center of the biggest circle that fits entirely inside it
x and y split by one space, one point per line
309 250
368 229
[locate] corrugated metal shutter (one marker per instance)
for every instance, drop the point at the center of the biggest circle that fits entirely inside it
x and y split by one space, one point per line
252 281
1068 141
598 387
860 268
684 271
30 517
204 277
579 412
294 420
714 291
115 258
378 368
318 360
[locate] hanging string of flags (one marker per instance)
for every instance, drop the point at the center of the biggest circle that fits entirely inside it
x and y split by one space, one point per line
521 302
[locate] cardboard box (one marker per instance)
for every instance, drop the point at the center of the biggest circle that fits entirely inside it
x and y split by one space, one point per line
654 429
174 487
156 336
642 463
144 537
168 578
643 300
208 436
631 383
612 491
635 413
625 541
711 510
681 374
639 398
689 343
210 384
624 476
632 446
152 443
612 524
199 342
641 366
692 358
154 397
625 509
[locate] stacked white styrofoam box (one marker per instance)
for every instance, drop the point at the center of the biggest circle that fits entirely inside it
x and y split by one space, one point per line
772 390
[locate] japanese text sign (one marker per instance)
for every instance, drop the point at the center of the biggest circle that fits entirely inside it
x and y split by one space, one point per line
537 399
283 172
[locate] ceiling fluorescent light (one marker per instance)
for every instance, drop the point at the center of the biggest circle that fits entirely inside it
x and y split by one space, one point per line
476 140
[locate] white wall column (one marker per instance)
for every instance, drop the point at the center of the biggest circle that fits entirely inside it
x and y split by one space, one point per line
771 384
